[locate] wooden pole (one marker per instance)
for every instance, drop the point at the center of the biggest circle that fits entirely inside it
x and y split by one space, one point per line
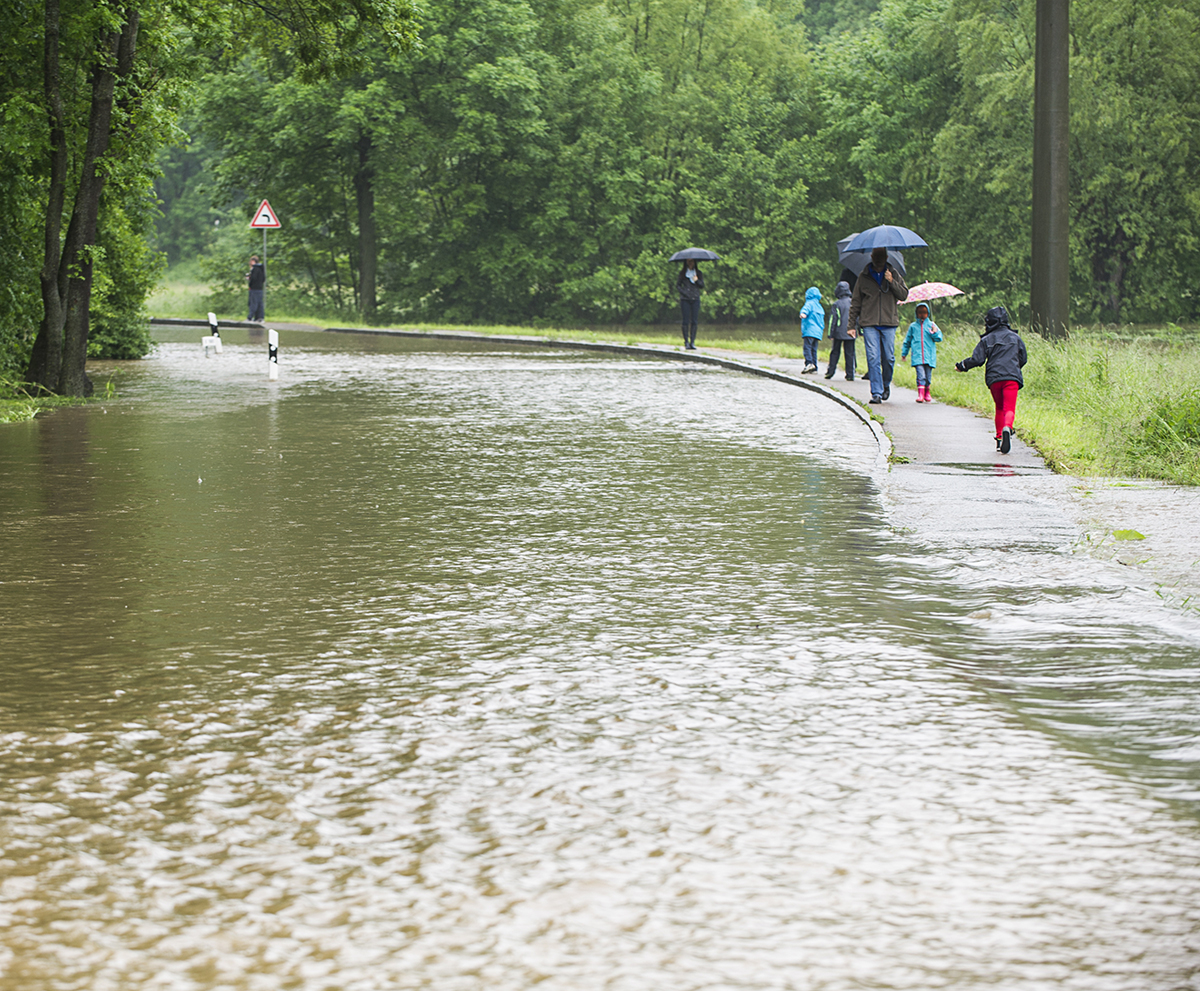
1049 296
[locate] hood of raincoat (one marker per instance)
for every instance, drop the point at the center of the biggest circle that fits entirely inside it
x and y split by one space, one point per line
995 319
841 290
813 295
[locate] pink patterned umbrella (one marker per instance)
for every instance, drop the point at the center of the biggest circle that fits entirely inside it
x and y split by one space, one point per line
932 290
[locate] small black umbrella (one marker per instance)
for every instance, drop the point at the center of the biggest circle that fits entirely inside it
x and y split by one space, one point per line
857 259
700 254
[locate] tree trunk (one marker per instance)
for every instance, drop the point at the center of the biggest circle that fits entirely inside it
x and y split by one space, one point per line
45 360
368 249
59 359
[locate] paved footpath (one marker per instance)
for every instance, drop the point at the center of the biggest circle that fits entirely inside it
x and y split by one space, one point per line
923 433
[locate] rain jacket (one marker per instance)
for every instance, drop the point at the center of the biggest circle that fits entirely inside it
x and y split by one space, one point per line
875 305
687 288
921 340
839 323
1000 348
812 315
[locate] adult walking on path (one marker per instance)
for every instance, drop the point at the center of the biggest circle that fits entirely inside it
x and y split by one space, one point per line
874 312
690 282
841 337
256 280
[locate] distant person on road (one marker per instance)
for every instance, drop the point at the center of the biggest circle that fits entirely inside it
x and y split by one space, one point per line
689 283
256 279
921 342
812 327
1003 352
841 337
874 312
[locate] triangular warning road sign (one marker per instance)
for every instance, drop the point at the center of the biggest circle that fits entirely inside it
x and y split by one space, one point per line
265 217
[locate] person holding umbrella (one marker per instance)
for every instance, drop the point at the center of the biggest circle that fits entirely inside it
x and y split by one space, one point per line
689 282
874 311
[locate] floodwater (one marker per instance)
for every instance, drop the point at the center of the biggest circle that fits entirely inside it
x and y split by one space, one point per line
470 667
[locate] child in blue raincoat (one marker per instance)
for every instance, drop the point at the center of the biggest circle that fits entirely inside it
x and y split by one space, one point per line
812 326
921 342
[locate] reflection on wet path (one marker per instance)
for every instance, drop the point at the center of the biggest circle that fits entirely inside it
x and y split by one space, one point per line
480 669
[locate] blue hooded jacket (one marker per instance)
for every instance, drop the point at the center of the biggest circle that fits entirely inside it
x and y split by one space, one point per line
812 315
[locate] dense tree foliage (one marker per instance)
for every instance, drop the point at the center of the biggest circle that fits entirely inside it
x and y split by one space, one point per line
91 88
535 161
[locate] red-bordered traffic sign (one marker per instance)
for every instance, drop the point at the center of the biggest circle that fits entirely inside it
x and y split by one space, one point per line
265 217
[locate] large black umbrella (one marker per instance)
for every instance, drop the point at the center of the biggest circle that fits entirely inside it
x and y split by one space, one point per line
856 260
700 254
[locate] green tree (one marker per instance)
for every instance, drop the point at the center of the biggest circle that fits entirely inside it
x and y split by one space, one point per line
111 81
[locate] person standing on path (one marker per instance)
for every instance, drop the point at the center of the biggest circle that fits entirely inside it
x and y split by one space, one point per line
841 337
874 311
1003 352
921 341
812 327
689 283
256 280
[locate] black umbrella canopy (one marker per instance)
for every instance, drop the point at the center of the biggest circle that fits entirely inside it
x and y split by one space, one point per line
700 254
857 259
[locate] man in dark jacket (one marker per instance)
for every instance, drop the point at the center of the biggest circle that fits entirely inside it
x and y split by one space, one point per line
874 310
1003 352
839 332
256 280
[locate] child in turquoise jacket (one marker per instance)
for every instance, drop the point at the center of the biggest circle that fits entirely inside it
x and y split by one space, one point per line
812 326
921 342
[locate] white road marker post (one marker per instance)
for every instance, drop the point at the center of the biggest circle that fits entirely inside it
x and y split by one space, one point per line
272 355
215 330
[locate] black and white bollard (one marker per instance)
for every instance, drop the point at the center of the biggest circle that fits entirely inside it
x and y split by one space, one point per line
213 341
272 355
215 331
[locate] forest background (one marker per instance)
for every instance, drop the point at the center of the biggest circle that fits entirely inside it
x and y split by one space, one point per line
534 161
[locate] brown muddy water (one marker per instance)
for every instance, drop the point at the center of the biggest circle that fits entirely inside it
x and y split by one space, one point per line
459 666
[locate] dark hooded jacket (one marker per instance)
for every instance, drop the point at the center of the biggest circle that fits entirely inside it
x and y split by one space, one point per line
1000 349
839 321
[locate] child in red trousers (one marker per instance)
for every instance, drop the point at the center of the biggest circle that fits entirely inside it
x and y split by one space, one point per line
1003 352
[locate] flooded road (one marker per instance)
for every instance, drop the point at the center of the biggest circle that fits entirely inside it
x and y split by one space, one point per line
468 667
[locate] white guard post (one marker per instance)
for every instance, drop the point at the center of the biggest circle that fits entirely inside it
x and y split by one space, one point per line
272 355
215 331
208 345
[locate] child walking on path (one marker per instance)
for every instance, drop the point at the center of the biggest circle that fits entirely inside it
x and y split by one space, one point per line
1003 351
841 337
812 327
921 342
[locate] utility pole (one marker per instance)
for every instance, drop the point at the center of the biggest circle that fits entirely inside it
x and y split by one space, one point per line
1049 296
